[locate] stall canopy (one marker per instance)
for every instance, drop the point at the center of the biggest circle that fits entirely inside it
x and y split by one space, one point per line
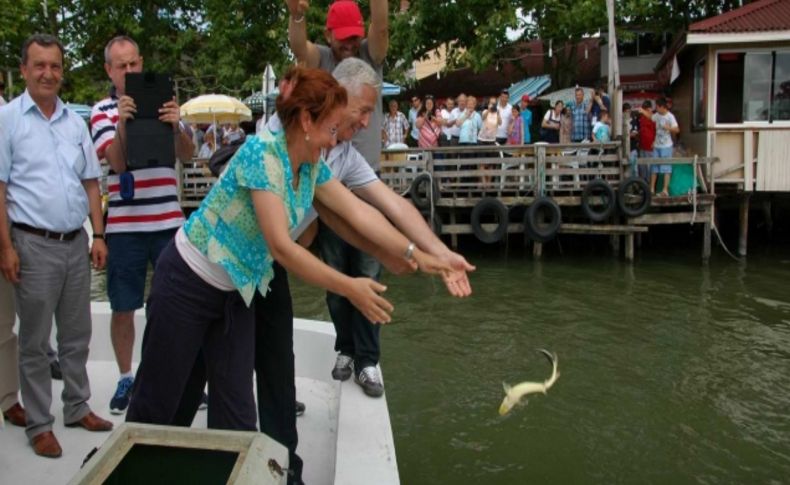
532 86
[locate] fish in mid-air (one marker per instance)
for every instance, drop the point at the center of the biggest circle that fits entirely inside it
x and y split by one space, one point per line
513 394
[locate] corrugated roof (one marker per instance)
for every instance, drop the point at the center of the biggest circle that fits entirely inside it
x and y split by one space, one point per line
759 16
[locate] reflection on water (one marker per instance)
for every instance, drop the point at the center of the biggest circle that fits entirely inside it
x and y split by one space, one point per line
671 371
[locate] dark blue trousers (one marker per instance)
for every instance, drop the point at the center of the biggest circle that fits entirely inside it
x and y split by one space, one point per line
187 319
356 335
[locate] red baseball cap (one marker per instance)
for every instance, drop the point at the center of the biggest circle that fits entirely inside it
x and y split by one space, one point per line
525 98
345 20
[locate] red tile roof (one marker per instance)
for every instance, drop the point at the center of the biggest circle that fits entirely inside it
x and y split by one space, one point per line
758 16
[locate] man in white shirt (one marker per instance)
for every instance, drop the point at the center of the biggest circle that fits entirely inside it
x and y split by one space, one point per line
505 117
447 122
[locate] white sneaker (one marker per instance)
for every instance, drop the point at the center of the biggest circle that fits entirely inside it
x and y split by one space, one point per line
370 380
342 369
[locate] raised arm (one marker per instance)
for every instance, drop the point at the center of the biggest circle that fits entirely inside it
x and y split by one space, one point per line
362 292
378 32
304 50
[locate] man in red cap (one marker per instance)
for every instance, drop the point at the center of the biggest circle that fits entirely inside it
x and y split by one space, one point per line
526 118
345 37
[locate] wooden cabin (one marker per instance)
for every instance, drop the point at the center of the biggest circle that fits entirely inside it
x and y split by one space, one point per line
729 77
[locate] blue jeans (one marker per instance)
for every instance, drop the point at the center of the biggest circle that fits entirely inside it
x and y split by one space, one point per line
356 335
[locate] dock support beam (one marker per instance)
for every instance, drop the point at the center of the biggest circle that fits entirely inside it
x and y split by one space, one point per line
537 250
629 247
743 218
707 228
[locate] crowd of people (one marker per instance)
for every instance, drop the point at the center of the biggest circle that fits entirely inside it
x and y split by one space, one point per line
219 306
461 121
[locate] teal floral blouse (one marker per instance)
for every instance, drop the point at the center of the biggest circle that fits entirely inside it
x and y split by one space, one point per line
225 228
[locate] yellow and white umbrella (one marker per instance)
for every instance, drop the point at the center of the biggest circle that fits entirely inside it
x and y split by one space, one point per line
215 108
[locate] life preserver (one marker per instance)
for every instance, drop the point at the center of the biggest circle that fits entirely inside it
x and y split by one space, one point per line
598 189
418 191
490 205
542 219
633 197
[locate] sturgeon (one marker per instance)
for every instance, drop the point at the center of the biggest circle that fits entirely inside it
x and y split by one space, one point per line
514 394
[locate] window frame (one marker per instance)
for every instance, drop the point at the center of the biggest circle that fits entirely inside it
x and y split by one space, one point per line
715 91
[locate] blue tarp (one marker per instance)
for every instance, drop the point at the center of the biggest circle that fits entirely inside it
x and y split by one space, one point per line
533 86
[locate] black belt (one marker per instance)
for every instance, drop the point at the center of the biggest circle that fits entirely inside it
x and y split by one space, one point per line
60 236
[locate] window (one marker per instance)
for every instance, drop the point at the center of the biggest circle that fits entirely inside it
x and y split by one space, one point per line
699 110
780 100
751 87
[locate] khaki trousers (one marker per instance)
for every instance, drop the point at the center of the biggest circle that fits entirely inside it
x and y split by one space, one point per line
9 356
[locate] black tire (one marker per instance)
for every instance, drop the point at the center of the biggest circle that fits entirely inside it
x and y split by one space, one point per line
542 220
435 223
594 190
633 197
418 191
486 206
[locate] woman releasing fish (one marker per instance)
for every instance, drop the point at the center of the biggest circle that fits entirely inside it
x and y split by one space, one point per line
514 394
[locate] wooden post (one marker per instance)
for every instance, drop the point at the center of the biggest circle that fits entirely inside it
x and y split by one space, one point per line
706 238
537 250
453 236
629 246
614 242
743 218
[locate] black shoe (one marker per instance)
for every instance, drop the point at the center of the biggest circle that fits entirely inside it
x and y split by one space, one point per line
54 370
300 408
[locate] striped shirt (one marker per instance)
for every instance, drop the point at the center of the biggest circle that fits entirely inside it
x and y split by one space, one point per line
154 205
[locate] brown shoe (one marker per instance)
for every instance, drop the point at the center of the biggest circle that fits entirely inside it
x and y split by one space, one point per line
15 415
91 422
45 444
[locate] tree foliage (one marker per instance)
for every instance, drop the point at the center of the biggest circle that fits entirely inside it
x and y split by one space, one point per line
224 45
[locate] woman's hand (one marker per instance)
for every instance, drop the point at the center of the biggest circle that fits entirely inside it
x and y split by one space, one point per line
364 293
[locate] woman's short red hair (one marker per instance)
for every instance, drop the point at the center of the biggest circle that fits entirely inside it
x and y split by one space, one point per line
312 90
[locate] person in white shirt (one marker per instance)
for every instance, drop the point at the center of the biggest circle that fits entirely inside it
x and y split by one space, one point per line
505 116
447 122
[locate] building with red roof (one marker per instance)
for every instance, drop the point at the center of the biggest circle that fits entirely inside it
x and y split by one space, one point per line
729 76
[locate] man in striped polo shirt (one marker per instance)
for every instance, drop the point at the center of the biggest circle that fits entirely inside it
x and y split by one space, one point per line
141 221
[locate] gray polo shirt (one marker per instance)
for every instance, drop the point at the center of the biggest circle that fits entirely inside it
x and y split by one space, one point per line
368 140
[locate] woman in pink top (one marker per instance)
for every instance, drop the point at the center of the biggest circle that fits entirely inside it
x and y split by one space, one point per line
427 123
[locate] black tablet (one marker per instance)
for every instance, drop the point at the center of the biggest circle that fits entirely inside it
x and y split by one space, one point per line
149 142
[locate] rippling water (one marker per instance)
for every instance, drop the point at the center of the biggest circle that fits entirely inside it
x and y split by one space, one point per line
671 371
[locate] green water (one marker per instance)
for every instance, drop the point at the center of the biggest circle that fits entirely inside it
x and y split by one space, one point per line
671 372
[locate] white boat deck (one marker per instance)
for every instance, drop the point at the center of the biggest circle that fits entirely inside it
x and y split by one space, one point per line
344 437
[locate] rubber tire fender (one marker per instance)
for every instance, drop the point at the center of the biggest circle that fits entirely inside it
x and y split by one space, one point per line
637 211
416 191
540 231
487 205
598 215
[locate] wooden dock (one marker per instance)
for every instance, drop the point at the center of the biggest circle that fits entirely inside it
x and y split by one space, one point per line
476 190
